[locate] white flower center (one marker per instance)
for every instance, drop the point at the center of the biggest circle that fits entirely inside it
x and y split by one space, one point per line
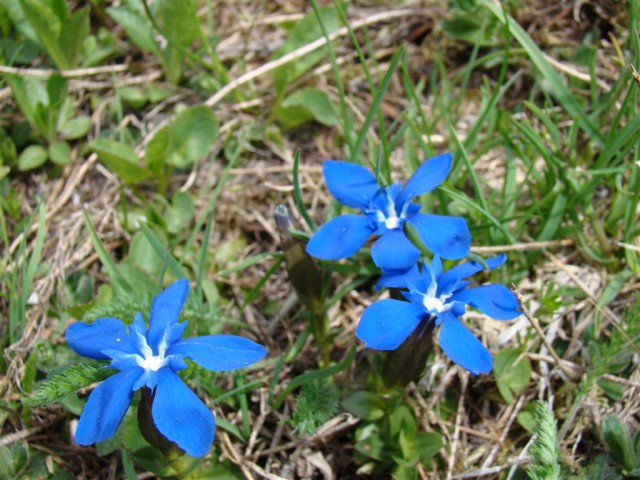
153 364
433 303
148 360
392 222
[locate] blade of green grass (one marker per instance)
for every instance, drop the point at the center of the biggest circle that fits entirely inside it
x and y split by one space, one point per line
160 249
346 119
375 104
553 79
119 282
297 193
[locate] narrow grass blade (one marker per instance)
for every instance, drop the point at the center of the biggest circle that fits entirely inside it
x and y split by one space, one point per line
119 282
553 79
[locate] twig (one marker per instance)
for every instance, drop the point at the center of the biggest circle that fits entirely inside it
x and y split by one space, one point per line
519 247
543 337
79 72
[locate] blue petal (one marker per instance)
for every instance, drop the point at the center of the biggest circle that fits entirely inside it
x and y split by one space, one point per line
399 278
219 353
340 237
165 311
427 177
351 184
467 269
386 324
494 300
181 416
459 344
447 237
394 251
106 407
90 339
436 268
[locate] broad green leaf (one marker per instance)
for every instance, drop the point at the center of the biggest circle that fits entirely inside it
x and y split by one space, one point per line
142 254
315 102
16 14
73 35
512 375
618 439
429 444
155 156
186 140
60 153
47 25
75 128
178 20
57 87
137 28
24 100
475 25
32 157
305 31
134 96
180 213
121 159
364 404
369 441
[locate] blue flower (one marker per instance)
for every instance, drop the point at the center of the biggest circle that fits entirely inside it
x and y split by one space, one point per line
386 211
151 357
386 324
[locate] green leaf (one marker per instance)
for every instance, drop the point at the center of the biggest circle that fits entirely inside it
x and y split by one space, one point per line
429 444
369 442
134 96
512 375
60 153
311 103
47 26
73 35
618 439
32 157
155 156
305 31
179 23
142 254
180 213
75 128
121 159
474 25
186 140
137 27
57 87
66 382
364 404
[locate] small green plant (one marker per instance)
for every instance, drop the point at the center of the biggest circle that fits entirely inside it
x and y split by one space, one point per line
544 450
316 404
51 114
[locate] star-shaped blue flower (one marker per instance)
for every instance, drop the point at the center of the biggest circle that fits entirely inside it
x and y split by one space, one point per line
151 357
386 324
386 211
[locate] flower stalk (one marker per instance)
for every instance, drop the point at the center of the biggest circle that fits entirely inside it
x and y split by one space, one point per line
406 364
304 275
